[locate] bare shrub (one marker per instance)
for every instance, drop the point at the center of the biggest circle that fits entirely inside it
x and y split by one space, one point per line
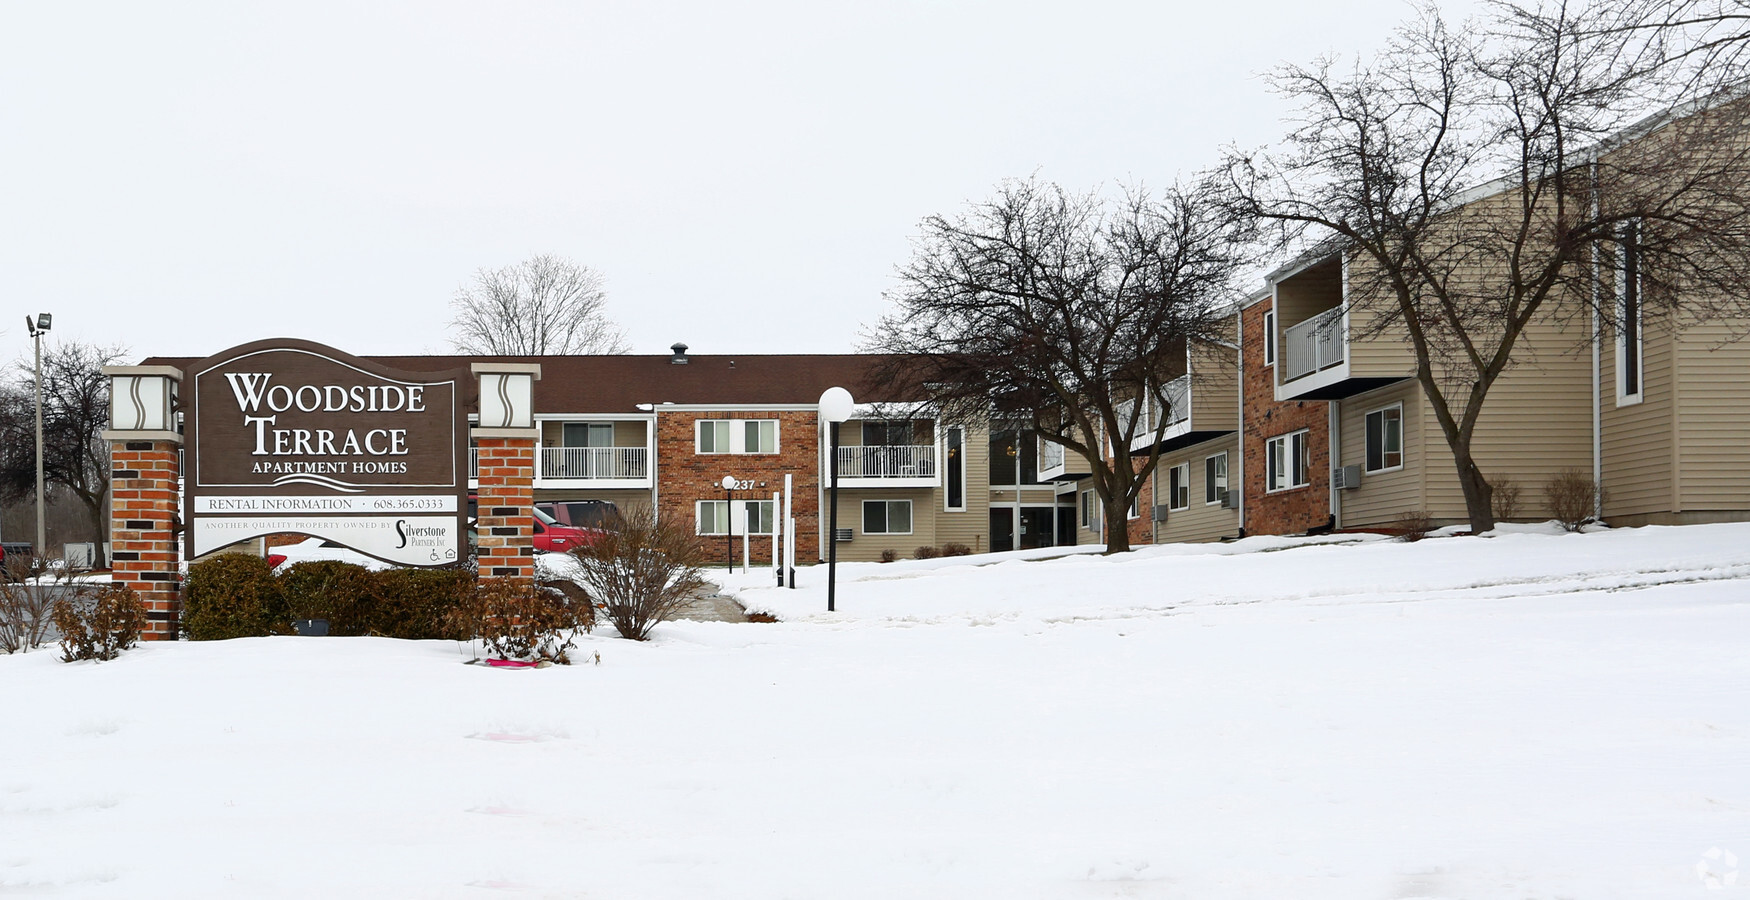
522 621
889 555
642 569
925 553
1569 498
99 624
27 603
1506 498
956 550
1412 526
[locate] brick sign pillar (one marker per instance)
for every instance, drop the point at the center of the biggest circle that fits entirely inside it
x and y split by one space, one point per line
145 452
505 441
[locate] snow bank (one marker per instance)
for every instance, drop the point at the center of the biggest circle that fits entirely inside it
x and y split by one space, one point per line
1528 715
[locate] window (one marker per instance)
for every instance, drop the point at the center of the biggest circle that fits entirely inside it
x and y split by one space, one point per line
589 434
1179 486
1286 462
760 436
887 517
713 517
1628 315
1088 511
887 434
1215 478
1385 439
737 435
1270 338
713 436
955 442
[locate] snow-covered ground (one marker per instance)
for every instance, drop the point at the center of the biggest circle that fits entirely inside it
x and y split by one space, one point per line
1531 715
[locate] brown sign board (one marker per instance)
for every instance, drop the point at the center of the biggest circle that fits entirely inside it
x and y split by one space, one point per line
286 435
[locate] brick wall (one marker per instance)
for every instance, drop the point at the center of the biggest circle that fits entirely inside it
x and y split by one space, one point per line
506 500
1291 511
1141 528
143 516
687 476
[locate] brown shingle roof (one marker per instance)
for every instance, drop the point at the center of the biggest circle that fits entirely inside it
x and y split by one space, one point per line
616 384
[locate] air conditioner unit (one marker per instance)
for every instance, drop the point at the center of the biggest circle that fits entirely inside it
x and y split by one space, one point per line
1230 499
843 535
1346 478
1160 512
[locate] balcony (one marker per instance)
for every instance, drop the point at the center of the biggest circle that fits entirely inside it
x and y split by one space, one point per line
888 466
593 467
1314 345
594 464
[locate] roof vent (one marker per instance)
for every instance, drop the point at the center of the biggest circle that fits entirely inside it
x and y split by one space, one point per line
680 354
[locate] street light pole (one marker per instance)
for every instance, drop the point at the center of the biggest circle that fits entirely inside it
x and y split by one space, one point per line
728 483
37 326
836 406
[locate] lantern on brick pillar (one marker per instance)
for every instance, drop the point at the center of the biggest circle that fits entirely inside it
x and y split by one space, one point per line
145 469
142 402
505 438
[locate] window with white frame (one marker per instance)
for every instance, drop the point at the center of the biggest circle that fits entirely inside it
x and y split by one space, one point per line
1089 519
1270 338
712 517
1629 374
1179 486
737 436
1385 439
954 444
1286 462
1215 478
887 517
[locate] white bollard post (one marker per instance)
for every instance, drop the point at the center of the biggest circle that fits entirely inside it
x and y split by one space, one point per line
745 528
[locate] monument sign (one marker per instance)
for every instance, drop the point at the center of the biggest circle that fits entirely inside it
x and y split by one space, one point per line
292 436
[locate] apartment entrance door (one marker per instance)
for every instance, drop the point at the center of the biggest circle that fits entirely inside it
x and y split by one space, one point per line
1038 527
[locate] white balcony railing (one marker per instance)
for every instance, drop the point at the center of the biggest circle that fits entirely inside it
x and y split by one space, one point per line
594 463
1313 345
1178 400
1050 456
916 461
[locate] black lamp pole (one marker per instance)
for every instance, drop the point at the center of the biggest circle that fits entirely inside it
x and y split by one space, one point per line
832 537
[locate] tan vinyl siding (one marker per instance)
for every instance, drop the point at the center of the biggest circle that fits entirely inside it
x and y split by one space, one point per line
1306 294
626 433
925 510
1202 521
1385 497
1638 448
631 434
971 527
1093 533
1214 388
1536 423
1713 419
1383 355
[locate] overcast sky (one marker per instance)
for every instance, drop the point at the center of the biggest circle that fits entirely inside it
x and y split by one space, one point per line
181 178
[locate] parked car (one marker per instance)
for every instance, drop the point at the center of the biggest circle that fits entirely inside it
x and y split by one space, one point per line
597 514
550 535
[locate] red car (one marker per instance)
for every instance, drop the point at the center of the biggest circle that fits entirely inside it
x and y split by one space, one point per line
550 536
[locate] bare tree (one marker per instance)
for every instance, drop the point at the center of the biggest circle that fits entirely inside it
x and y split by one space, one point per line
541 306
1473 178
1070 312
75 414
642 569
